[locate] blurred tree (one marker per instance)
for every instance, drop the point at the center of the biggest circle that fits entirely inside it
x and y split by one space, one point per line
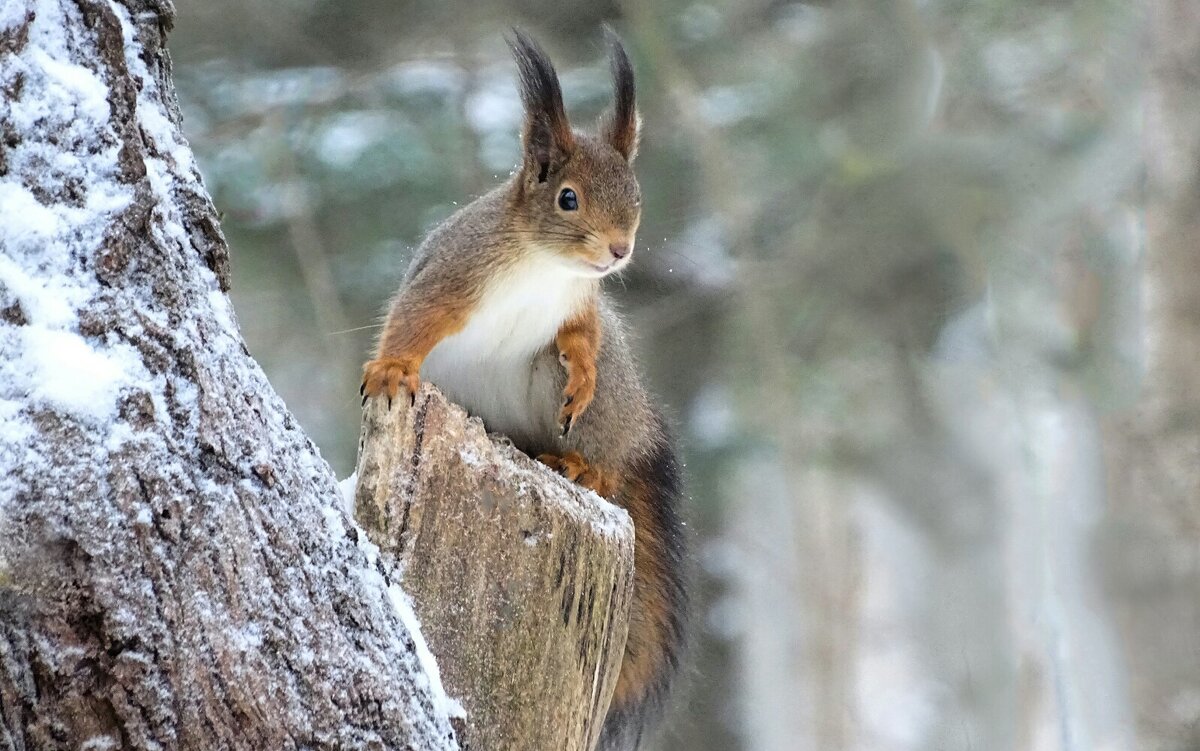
1152 447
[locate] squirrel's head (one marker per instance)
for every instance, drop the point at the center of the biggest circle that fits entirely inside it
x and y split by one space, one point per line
576 193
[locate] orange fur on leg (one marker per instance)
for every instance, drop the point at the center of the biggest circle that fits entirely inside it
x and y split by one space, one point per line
413 329
578 343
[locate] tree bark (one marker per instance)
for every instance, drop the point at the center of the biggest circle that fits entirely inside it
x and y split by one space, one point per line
523 586
176 569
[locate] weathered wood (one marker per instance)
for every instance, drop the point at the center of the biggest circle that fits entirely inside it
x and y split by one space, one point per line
522 583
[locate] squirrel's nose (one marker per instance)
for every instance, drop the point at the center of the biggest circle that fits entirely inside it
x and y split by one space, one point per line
619 250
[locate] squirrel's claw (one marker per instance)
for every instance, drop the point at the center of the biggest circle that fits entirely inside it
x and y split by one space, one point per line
386 375
577 396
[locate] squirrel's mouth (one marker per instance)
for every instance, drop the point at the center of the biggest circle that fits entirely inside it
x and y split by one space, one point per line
604 269
596 265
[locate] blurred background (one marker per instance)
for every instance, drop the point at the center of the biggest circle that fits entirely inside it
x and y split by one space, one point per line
919 281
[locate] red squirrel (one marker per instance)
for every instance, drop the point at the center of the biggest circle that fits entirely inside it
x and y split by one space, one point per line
502 309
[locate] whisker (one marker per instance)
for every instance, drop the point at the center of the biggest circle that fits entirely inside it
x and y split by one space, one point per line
557 235
676 254
542 232
359 328
591 227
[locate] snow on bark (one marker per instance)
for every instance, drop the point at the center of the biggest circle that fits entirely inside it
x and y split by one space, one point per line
167 573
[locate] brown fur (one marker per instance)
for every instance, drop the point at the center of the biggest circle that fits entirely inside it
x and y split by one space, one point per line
609 202
412 331
615 442
578 341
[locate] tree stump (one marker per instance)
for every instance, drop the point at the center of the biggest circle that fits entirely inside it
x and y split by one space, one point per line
522 582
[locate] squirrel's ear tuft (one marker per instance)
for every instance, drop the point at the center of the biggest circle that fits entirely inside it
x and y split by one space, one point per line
622 125
546 136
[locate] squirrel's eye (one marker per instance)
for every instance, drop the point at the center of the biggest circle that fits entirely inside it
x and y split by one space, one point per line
567 201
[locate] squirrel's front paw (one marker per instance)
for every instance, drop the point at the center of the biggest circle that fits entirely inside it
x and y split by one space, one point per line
578 393
384 376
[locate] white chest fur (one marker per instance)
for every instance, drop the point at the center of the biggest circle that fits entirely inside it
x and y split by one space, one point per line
488 367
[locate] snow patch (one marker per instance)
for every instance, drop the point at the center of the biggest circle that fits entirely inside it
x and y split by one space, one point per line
9 409
62 113
349 487
76 81
11 14
154 122
43 301
335 522
469 456
72 375
26 222
444 703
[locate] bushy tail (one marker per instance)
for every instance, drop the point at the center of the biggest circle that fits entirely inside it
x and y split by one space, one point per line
659 614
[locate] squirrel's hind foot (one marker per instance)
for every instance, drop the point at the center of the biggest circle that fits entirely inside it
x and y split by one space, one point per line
575 468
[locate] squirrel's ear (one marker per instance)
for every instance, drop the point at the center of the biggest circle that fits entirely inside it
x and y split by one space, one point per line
546 136
622 125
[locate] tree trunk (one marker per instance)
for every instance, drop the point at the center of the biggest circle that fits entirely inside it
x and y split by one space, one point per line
176 570
524 586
